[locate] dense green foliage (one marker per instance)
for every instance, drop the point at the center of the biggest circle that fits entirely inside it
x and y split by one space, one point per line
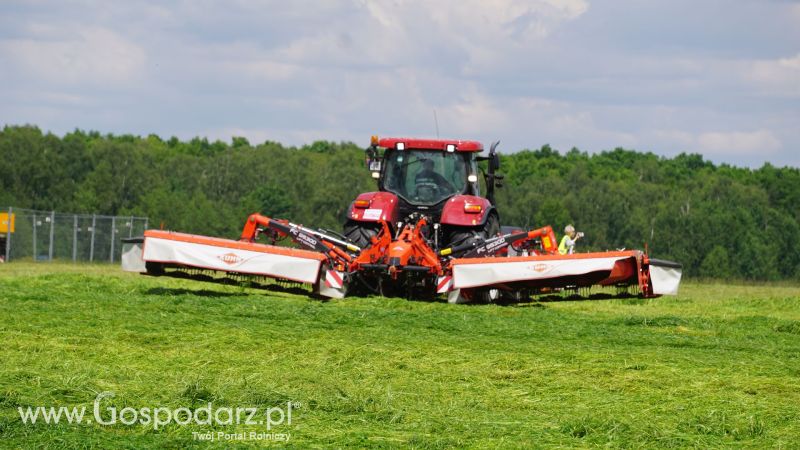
719 221
716 367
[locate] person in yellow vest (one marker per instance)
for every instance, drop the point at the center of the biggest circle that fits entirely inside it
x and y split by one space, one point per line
567 245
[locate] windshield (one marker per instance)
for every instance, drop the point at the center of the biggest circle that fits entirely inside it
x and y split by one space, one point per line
424 177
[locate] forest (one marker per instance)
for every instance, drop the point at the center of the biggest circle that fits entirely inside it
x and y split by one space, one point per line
720 221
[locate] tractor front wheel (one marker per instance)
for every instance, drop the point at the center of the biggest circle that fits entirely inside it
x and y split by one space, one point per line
459 235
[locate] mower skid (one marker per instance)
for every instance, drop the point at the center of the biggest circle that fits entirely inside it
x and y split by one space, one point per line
332 283
202 252
665 276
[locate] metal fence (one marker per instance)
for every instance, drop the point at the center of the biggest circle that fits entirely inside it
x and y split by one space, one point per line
51 235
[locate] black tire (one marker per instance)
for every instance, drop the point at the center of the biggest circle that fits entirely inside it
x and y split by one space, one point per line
492 226
360 233
455 236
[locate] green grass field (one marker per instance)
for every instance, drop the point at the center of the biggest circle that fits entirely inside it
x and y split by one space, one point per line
717 366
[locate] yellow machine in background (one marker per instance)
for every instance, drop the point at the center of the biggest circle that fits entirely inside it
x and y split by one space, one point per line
6 227
5 223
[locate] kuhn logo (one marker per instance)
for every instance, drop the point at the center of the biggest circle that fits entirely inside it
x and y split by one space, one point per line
230 258
540 267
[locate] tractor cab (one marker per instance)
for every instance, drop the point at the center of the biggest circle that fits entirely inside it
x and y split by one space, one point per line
437 178
426 171
428 177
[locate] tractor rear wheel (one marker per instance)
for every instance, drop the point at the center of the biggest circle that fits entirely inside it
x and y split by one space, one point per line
360 233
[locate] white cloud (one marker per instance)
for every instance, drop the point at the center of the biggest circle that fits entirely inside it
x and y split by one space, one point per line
790 63
81 56
739 142
780 76
480 22
755 145
267 70
415 32
474 113
678 139
642 75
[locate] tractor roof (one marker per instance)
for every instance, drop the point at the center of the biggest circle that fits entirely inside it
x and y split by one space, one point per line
431 144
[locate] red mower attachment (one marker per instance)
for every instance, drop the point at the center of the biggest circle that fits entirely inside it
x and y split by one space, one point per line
407 265
428 230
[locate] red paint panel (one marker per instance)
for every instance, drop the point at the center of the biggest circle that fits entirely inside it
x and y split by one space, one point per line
384 201
432 144
624 270
453 212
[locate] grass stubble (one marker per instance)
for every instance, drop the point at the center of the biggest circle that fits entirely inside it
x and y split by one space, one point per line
716 366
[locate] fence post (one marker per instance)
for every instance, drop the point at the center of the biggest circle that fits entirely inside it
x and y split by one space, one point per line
113 236
52 228
130 228
34 237
74 237
8 234
91 249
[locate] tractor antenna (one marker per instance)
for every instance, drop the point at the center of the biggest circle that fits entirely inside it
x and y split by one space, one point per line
436 121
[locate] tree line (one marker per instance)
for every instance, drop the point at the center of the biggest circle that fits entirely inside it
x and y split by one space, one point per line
720 221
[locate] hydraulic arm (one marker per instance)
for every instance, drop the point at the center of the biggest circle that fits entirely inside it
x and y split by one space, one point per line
339 253
491 246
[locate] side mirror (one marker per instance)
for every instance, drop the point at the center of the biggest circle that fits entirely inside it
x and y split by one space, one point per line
374 161
371 152
494 162
494 158
492 177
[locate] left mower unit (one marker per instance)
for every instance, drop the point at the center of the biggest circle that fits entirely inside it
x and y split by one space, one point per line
181 255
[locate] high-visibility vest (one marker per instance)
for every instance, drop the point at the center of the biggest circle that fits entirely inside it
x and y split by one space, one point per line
562 247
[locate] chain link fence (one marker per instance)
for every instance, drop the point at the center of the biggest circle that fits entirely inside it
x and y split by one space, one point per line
54 236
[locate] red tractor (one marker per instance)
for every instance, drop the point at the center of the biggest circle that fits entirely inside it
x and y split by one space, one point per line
437 179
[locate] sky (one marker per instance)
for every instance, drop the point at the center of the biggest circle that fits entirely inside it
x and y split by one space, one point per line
715 77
